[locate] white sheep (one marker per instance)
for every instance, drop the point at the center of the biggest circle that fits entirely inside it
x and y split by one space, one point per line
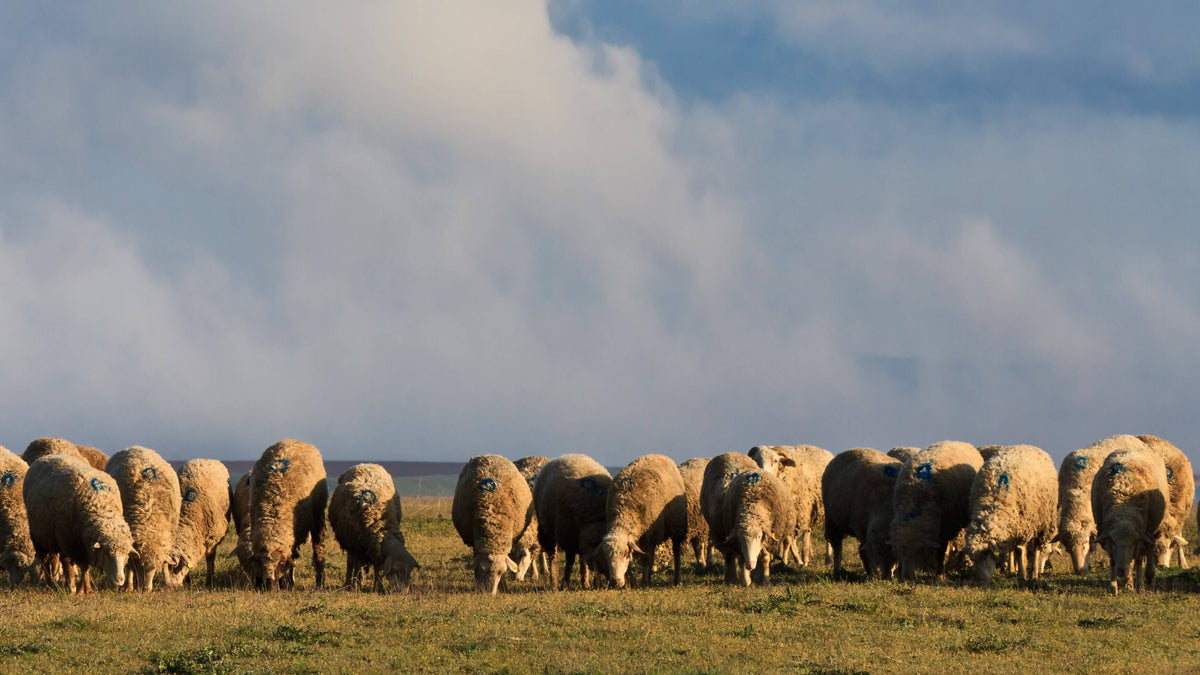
288 495
1129 498
151 499
490 512
203 519
1076 526
758 511
1014 508
930 505
16 549
75 516
239 510
364 513
718 475
1179 505
646 506
570 495
692 472
802 475
856 490
527 552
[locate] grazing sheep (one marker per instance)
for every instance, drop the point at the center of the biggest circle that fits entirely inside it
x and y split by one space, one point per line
239 509
1076 526
288 495
526 552
930 505
646 506
1014 507
94 456
1129 498
803 478
151 499
902 452
75 515
569 497
857 489
1179 505
718 475
16 549
364 513
203 519
758 510
692 472
491 511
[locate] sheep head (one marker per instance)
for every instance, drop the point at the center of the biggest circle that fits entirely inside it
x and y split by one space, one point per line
489 569
616 552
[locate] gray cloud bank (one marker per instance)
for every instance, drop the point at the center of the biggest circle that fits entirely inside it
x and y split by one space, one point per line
430 230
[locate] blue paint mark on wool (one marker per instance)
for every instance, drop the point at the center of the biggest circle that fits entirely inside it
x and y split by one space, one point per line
1081 463
733 474
753 478
925 471
8 480
891 470
589 485
487 485
280 465
149 473
1116 468
626 483
368 496
98 485
1170 475
190 495
1002 482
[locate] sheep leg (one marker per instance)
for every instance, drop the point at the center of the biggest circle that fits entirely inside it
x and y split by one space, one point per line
69 569
351 570
1150 572
677 544
318 552
1183 563
730 564
648 567
807 548
210 561
828 553
764 564
1022 567
552 567
1137 571
570 562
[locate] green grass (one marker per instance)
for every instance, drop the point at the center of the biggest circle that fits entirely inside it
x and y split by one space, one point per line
803 622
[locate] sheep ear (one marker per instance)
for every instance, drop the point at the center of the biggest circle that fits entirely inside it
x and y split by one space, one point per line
1056 539
409 560
787 461
133 554
634 547
1180 540
512 566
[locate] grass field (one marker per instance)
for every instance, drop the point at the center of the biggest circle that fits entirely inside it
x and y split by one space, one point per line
804 622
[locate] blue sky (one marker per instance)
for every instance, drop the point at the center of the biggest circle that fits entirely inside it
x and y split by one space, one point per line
426 230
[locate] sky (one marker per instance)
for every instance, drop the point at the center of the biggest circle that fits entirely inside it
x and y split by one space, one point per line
431 230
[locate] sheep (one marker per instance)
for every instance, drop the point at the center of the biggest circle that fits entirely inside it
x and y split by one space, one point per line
646 506
41 447
16 549
1183 491
1014 507
989 451
239 509
718 475
569 497
151 498
929 505
526 552
75 515
364 513
803 478
1129 499
288 495
1076 527
902 452
856 491
758 509
203 519
490 512
692 472
94 456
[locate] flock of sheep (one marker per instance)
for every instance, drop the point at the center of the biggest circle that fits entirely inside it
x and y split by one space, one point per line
66 508
949 505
